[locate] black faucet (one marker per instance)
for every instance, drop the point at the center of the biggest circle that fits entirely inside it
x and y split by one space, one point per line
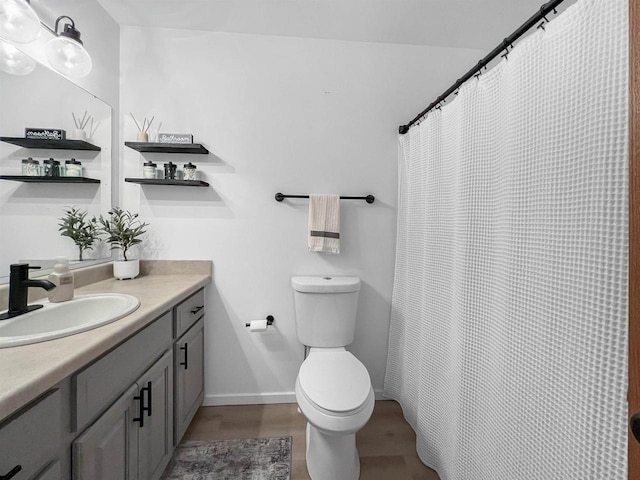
19 283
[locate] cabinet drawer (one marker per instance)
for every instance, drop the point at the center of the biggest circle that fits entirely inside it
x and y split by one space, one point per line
188 312
97 386
32 439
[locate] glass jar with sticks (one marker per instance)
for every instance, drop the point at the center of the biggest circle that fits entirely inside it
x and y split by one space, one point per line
143 132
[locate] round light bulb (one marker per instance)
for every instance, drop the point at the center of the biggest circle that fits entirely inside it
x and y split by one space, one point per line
68 57
14 61
18 22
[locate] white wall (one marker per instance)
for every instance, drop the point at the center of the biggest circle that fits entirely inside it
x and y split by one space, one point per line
279 115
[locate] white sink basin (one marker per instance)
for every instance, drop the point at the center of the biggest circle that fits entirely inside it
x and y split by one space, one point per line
55 320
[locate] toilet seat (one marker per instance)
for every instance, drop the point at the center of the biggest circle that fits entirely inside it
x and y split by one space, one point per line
335 382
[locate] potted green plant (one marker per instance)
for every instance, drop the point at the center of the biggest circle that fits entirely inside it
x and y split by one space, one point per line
82 230
123 230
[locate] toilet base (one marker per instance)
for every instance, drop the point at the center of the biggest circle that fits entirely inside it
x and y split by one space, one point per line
331 457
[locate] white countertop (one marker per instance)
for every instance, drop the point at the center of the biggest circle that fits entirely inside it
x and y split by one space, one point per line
30 370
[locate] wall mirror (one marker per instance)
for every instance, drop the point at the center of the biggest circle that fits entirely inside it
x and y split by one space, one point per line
30 210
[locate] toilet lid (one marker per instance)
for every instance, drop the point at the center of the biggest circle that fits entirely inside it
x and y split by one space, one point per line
335 380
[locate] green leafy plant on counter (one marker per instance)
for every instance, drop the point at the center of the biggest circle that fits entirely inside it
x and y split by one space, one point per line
82 230
123 229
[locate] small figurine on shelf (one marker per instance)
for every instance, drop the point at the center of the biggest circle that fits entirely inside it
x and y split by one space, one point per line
79 133
143 132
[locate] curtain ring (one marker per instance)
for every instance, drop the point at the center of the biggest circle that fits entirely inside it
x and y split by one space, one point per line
506 46
543 14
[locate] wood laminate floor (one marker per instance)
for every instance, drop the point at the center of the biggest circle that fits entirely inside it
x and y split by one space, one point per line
387 444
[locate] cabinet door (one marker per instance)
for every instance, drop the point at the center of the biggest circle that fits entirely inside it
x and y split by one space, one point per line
155 439
189 377
108 450
31 440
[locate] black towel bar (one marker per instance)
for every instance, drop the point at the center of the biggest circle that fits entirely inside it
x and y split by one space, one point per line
281 196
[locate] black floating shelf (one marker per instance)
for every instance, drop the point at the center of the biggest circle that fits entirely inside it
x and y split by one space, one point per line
51 144
165 181
193 148
34 179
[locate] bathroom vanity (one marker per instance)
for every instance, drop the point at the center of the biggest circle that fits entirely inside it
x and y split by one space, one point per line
114 401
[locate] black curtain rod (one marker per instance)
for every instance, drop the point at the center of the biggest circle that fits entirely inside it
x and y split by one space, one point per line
281 196
504 46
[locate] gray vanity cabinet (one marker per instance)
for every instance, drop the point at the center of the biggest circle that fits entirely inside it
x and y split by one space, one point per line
31 442
134 437
189 377
120 416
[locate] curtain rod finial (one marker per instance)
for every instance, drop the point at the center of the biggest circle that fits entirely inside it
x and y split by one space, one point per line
403 129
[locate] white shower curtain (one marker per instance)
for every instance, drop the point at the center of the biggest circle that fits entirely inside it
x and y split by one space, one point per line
508 334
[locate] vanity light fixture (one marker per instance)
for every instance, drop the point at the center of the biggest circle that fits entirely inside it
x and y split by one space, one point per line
14 61
19 23
65 51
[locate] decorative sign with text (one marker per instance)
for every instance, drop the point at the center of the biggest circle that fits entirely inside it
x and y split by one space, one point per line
45 133
175 138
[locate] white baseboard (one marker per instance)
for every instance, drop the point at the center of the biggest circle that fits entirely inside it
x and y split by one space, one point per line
258 399
249 399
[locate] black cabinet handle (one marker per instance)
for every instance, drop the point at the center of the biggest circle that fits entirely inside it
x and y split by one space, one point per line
148 407
143 408
140 398
196 310
14 471
186 356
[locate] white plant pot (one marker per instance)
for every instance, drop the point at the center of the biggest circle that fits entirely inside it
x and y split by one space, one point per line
126 270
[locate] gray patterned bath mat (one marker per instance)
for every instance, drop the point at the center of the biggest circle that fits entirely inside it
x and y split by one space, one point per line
250 459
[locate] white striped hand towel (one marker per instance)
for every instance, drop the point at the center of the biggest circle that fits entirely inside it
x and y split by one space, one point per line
324 223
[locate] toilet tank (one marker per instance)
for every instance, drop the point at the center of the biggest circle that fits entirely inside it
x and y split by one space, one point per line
326 310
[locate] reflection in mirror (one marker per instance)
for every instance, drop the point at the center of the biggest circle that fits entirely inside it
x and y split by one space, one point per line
30 213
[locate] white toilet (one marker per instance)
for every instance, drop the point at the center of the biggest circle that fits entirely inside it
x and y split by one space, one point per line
333 388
